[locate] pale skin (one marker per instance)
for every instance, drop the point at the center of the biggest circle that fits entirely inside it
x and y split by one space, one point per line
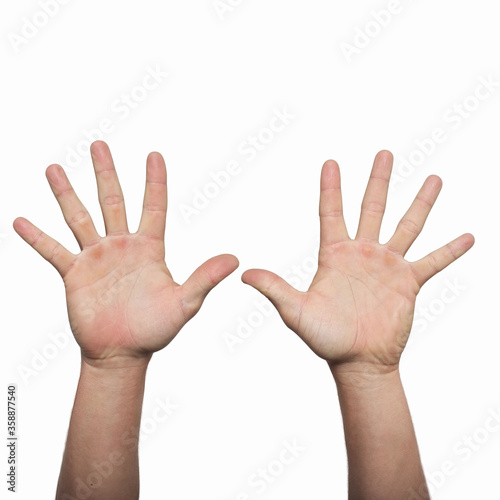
357 315
123 306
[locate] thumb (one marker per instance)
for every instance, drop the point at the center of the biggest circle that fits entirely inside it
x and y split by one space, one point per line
283 296
206 277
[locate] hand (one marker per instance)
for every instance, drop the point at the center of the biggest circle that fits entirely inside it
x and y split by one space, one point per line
123 304
358 311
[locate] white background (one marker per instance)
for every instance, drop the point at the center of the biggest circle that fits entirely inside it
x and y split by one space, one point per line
227 74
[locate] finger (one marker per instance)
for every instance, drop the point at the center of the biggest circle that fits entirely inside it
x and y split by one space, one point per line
206 277
48 248
154 210
436 261
283 296
411 225
332 224
75 214
109 190
375 198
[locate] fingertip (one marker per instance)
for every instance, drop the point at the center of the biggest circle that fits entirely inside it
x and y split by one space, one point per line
18 224
25 229
53 172
469 240
232 261
385 154
155 155
98 146
246 276
463 244
208 276
235 260
330 174
221 266
329 167
435 180
156 168
100 153
256 278
330 163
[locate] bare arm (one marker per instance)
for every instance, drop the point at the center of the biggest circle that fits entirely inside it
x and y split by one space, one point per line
382 451
357 315
101 456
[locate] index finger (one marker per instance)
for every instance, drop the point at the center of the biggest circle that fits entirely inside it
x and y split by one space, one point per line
331 216
154 211
427 267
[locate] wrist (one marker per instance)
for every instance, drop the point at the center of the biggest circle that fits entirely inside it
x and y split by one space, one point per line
364 376
117 363
114 373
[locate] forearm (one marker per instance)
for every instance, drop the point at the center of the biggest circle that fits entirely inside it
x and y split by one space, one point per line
101 455
382 451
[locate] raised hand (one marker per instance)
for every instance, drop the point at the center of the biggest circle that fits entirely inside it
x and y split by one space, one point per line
123 303
359 308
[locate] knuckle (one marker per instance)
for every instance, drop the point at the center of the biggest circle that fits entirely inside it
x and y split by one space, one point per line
55 251
409 226
331 213
373 207
433 263
150 207
78 217
450 249
37 239
111 200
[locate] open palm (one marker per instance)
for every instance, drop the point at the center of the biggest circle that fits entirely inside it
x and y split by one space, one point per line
122 300
360 305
